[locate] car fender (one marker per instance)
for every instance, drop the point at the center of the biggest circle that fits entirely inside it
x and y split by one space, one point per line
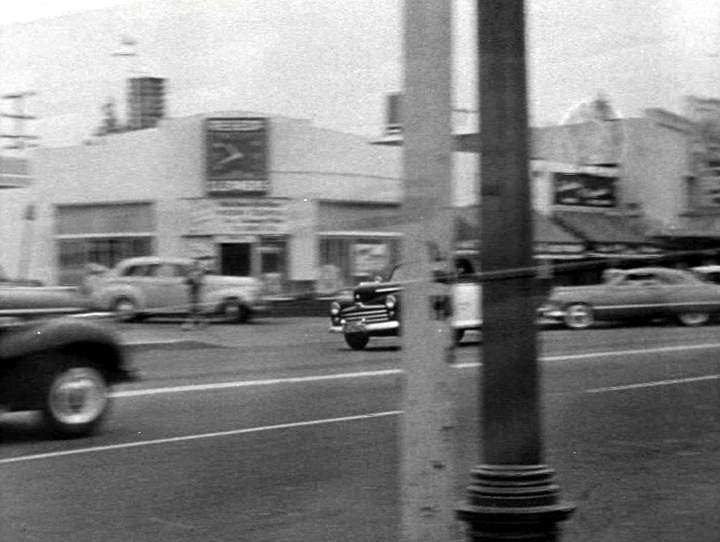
217 297
112 292
91 339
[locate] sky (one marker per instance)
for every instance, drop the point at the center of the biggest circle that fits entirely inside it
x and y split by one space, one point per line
332 61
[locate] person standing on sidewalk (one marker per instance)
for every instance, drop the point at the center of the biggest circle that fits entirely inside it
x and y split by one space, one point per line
194 281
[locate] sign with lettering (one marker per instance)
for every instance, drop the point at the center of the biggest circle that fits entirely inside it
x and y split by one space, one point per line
584 189
236 161
238 216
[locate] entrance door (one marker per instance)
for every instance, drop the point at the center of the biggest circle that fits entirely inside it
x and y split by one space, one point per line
235 259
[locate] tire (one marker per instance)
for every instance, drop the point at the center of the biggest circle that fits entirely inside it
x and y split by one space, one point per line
233 310
579 316
357 341
74 398
458 336
125 309
693 319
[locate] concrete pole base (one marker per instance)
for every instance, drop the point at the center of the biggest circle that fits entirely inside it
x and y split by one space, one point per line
513 502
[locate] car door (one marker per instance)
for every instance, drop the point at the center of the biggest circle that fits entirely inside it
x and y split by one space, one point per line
684 293
636 295
170 293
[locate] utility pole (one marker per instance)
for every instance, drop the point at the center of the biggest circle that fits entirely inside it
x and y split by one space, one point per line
512 495
428 424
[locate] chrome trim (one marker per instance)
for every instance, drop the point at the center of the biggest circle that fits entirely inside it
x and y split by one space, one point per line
369 328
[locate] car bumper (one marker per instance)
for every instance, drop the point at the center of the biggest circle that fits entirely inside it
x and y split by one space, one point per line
369 328
551 314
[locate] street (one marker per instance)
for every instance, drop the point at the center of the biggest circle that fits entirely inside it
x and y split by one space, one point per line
278 431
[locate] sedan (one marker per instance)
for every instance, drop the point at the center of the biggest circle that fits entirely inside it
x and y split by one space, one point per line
645 294
153 285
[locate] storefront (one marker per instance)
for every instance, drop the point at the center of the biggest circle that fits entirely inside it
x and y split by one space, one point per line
299 207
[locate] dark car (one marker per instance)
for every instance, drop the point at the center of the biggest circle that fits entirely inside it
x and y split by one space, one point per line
644 293
56 360
372 309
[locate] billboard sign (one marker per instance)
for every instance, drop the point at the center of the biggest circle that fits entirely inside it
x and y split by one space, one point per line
237 153
584 189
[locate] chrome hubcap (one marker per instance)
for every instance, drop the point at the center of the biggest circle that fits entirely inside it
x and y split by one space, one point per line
579 316
78 396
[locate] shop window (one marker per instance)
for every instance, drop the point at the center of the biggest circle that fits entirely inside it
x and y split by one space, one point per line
273 264
105 218
358 258
75 254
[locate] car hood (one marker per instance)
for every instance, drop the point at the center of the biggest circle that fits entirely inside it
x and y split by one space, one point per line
368 291
25 300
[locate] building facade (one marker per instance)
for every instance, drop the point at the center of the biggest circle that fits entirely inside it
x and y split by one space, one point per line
298 206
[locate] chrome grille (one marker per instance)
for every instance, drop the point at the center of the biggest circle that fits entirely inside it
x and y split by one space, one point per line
371 314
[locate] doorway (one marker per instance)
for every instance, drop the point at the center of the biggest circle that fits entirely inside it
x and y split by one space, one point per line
236 259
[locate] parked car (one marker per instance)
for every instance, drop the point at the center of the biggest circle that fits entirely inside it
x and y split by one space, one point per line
151 285
636 294
373 308
55 360
710 273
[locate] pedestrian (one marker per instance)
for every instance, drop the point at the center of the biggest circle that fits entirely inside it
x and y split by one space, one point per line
194 281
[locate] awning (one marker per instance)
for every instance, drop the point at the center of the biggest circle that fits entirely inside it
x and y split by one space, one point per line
551 241
608 235
554 242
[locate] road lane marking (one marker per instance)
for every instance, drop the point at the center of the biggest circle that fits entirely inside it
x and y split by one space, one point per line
659 350
654 384
186 438
250 383
387 372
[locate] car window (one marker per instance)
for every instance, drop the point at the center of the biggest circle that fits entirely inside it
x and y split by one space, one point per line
138 270
152 270
640 279
167 270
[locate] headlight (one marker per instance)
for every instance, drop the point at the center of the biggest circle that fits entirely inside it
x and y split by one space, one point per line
390 302
334 308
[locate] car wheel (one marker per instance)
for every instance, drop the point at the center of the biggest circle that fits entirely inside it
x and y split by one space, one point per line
579 316
692 319
74 396
357 341
458 335
125 309
234 311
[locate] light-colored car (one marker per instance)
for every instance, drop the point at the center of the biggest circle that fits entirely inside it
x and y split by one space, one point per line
644 293
153 286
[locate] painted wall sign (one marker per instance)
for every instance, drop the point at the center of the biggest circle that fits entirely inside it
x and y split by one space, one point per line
237 153
238 216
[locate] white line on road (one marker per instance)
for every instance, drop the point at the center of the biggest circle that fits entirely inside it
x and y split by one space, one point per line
659 350
387 372
654 384
249 383
111 447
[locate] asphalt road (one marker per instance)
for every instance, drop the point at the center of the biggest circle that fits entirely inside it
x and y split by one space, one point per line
261 440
